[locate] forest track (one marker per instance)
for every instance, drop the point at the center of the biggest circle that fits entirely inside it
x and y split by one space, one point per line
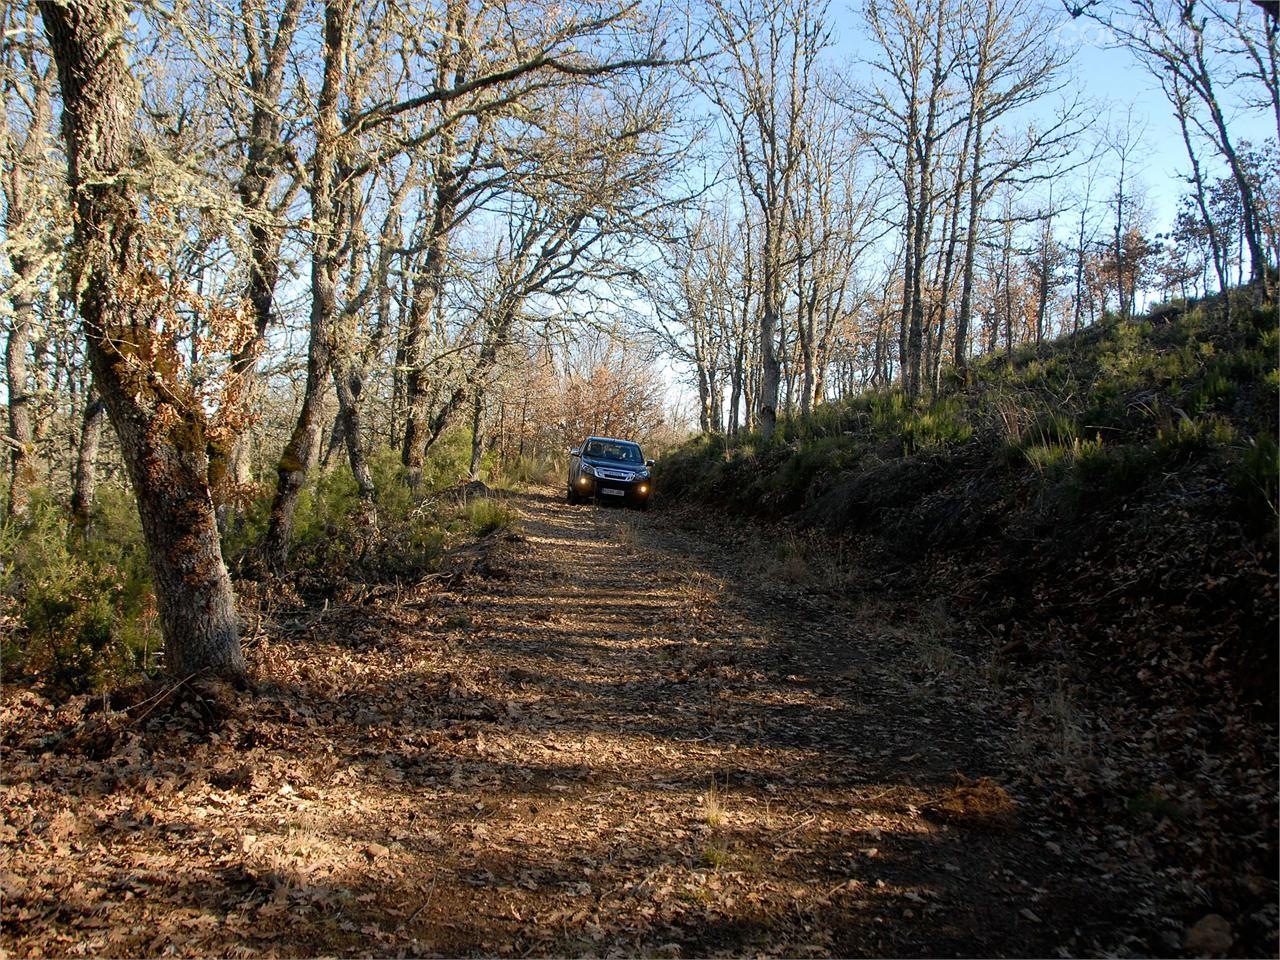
617 735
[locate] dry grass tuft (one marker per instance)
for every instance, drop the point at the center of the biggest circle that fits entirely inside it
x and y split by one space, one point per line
981 802
713 807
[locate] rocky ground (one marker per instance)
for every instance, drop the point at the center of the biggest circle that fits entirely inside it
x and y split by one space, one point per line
606 733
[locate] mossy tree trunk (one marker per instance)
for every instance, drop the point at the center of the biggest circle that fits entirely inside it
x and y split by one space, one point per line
28 242
20 437
266 70
159 421
304 441
84 480
477 437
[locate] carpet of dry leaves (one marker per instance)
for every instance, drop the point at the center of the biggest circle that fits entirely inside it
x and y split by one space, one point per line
608 735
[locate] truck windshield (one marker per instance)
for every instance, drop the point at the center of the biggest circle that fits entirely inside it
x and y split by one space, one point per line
621 452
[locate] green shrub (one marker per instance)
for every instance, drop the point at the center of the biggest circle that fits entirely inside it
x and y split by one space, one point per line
889 411
1181 439
487 515
1269 342
810 462
1102 414
1108 472
82 599
1047 459
1056 428
327 536
1067 460
1256 478
823 420
395 498
449 461
945 422
1264 317
1215 392
324 506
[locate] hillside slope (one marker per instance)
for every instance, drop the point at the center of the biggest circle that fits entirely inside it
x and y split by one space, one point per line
1097 516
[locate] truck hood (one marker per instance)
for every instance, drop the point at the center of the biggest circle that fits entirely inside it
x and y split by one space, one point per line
636 468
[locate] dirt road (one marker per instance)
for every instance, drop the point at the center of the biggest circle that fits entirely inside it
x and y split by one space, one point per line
616 735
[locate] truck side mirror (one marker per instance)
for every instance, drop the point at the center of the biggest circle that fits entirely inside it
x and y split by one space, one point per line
648 463
573 451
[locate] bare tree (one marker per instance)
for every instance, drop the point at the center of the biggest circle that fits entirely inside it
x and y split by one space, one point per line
474 84
1181 99
911 106
326 244
1045 265
1182 42
765 84
834 222
688 297
1013 61
1125 144
267 159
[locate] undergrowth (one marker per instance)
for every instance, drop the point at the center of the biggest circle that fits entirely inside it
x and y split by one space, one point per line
1088 419
76 605
77 609
525 470
488 515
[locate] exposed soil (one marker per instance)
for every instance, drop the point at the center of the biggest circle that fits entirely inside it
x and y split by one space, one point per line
612 735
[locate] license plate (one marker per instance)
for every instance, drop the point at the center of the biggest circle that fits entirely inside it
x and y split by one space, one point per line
612 493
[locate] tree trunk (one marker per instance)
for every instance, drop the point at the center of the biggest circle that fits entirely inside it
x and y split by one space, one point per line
1044 275
704 399
1081 254
428 293
165 455
21 471
1244 185
428 288
961 348
1215 243
770 368
303 443
85 479
1007 269
21 220
298 456
904 310
915 329
924 215
264 156
735 391
805 328
350 416
477 439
